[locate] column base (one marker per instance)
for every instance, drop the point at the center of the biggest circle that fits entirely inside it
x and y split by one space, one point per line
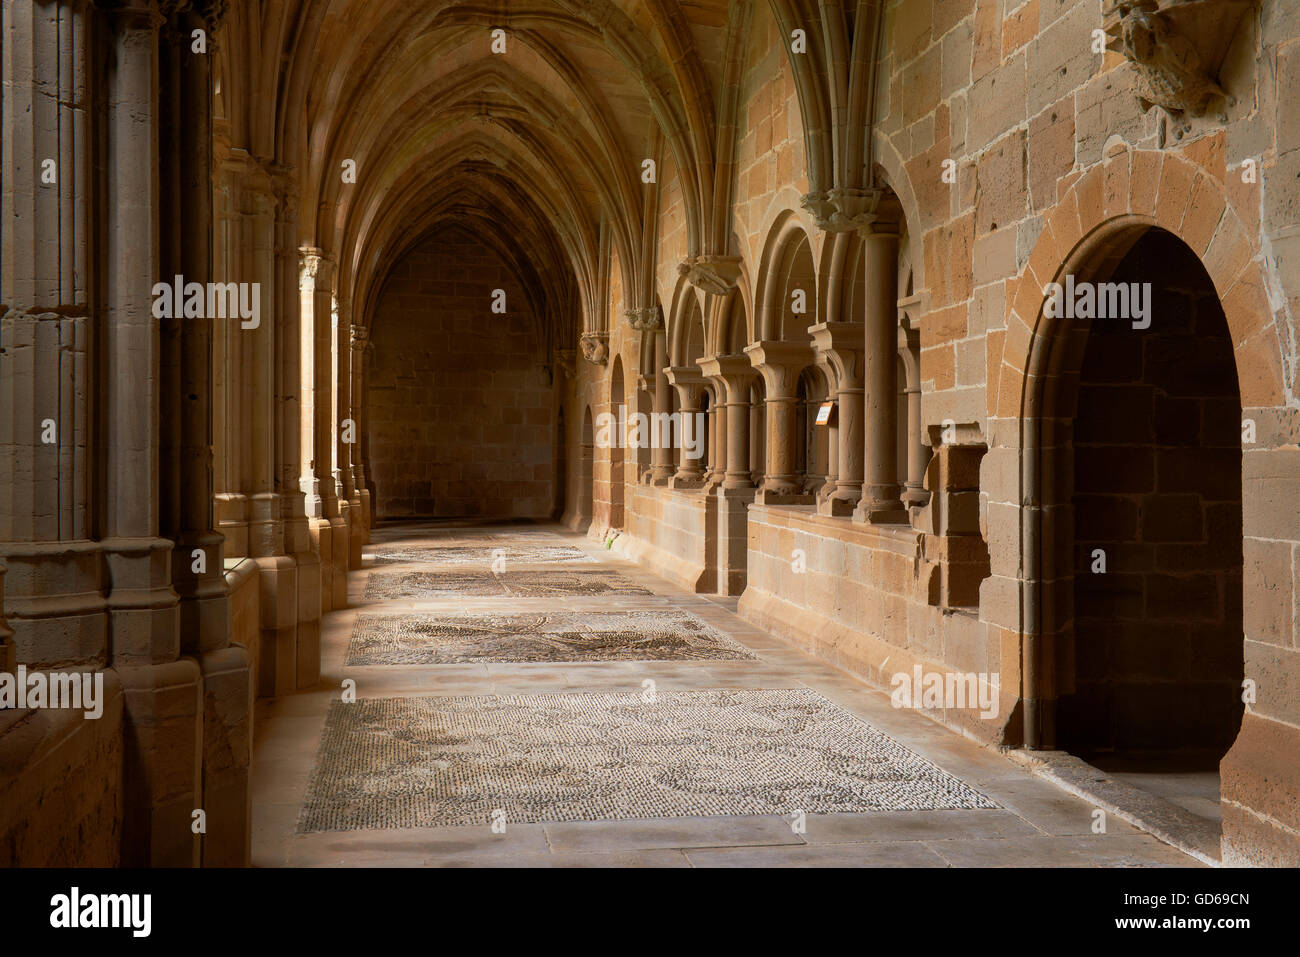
880 513
204 599
915 497
686 481
839 504
340 552
308 617
783 494
162 774
356 533
277 667
1260 778
322 539
227 754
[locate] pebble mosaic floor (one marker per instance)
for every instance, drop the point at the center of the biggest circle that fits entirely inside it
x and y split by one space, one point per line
484 554
390 585
544 636
612 719
423 762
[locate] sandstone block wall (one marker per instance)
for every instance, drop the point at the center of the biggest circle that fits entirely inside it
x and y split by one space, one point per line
461 412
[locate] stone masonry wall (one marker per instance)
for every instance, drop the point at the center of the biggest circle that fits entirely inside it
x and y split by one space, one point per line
461 410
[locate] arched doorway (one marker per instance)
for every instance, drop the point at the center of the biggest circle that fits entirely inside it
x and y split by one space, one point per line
1134 431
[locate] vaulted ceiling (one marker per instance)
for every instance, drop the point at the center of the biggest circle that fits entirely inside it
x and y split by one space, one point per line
538 149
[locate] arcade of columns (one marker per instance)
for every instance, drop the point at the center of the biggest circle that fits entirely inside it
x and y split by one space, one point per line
189 456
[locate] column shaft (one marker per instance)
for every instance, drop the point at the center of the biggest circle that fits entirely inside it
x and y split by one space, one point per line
880 502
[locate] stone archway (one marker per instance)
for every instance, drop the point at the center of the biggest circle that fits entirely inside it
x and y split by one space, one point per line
1096 223
1139 563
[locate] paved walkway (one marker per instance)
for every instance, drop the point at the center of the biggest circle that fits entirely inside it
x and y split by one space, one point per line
524 698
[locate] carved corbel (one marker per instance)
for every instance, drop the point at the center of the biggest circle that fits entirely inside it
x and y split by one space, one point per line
716 275
1177 48
595 347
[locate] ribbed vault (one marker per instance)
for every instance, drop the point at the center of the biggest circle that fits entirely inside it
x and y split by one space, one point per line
536 149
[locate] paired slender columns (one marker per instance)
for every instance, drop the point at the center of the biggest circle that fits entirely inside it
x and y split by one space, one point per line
757 435
314 289
880 501
689 383
319 337
345 431
717 471
736 376
661 455
780 364
359 495
839 349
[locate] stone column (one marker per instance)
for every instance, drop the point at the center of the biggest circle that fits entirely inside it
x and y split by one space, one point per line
880 502
918 454
316 368
367 357
735 375
162 692
53 598
350 555
757 435
780 364
198 567
661 453
361 501
689 384
340 380
716 473
839 347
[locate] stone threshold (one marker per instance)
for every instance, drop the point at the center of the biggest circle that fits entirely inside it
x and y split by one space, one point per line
1194 836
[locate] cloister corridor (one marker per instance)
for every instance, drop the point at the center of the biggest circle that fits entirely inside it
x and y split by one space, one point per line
650 432
742 731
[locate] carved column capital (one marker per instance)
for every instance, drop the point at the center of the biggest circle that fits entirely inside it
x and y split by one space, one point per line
850 209
313 267
780 364
137 14
647 319
839 349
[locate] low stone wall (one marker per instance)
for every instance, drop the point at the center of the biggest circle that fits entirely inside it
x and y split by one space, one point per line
61 785
858 596
245 609
672 532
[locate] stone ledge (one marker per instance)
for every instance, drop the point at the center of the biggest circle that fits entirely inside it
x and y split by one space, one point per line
1176 826
896 538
